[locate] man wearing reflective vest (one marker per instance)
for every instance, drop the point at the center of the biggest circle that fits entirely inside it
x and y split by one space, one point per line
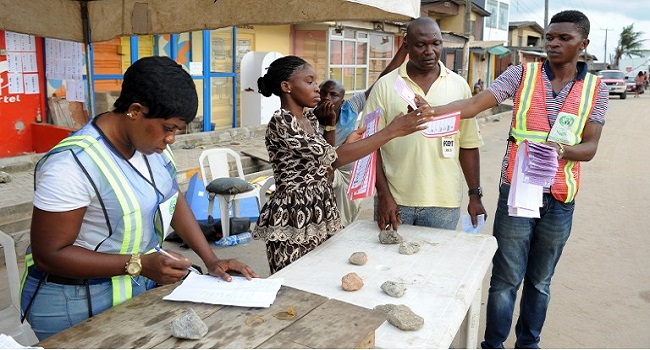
559 90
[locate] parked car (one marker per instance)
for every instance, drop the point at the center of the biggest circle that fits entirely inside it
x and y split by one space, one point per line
615 81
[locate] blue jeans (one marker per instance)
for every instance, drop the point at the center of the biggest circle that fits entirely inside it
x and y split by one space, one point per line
57 307
529 250
436 217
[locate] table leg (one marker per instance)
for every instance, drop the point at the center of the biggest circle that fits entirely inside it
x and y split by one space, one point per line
469 328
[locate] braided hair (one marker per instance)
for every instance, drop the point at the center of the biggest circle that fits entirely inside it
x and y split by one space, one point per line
280 70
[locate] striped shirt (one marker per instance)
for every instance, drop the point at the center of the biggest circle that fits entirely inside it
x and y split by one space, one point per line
507 85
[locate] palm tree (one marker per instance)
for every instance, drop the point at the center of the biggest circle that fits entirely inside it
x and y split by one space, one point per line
629 45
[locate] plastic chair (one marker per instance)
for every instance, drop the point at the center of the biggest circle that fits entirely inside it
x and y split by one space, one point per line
10 316
219 165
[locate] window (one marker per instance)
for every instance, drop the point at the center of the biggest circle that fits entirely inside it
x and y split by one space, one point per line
493 8
382 50
349 58
503 16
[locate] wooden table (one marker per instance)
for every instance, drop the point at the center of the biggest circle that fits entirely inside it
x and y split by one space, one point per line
443 279
144 322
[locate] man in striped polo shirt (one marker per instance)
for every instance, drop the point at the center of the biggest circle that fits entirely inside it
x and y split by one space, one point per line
529 248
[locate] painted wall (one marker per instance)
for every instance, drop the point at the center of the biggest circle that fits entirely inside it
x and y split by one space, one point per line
524 33
272 38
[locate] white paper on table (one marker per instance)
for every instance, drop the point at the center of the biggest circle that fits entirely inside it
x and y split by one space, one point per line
8 342
258 292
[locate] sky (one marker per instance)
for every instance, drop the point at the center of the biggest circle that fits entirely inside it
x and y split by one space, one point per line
605 16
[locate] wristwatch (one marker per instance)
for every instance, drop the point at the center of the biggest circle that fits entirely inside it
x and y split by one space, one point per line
329 128
477 191
134 266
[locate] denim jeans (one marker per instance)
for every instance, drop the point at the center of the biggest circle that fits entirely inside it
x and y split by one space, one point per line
436 217
529 250
57 307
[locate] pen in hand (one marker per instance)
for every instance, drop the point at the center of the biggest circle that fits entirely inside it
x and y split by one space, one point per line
165 253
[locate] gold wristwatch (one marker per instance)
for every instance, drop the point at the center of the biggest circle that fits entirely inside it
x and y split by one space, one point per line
134 266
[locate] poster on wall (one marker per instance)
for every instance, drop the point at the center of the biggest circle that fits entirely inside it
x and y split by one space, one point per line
21 100
64 60
20 59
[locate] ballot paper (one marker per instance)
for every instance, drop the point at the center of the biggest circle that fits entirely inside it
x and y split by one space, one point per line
467 223
258 292
539 164
405 92
362 178
524 199
444 125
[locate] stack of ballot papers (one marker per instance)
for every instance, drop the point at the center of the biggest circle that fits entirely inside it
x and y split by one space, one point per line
258 292
535 169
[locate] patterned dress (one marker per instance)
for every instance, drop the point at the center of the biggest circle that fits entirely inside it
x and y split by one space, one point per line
301 213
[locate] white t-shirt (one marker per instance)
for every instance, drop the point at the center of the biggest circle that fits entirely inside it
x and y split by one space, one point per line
61 185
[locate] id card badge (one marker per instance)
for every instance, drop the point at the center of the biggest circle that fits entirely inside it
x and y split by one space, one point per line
167 212
448 149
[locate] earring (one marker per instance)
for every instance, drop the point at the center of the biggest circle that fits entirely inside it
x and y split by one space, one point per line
289 91
130 115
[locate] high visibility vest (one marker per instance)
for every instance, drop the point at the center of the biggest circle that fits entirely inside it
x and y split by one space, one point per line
531 122
126 197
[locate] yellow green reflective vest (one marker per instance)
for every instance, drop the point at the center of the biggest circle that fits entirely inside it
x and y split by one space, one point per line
128 200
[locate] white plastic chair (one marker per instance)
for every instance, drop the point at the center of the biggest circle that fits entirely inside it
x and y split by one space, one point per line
219 165
10 316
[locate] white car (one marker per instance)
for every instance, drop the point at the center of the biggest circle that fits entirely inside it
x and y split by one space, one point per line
615 81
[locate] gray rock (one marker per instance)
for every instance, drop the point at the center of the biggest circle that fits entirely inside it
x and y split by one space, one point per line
401 316
189 326
409 248
389 237
351 282
358 258
4 177
394 289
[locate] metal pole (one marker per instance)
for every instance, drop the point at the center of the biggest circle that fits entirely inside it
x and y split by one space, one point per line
606 30
468 9
545 15
89 68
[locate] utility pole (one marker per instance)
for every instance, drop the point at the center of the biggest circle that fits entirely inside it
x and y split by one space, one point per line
468 34
606 29
545 15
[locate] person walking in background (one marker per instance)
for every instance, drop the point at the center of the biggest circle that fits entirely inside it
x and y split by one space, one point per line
337 119
419 180
639 82
103 200
478 87
301 213
560 88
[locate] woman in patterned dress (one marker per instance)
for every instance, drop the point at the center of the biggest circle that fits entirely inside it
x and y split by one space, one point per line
301 213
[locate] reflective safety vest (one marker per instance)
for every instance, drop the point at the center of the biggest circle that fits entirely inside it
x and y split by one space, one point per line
531 122
126 198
